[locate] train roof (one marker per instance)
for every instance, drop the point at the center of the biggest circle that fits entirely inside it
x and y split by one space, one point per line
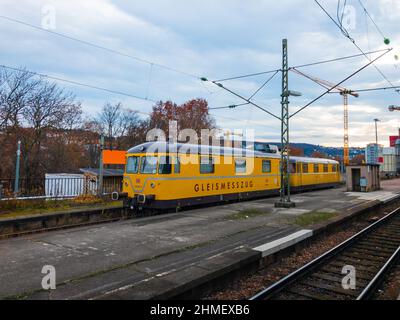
185 148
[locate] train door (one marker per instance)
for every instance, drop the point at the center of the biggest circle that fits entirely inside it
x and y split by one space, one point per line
299 174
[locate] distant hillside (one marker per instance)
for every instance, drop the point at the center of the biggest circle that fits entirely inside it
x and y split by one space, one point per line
330 151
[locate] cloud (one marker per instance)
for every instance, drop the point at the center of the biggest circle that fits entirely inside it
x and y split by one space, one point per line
215 39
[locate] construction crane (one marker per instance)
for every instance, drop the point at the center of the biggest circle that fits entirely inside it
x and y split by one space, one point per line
344 92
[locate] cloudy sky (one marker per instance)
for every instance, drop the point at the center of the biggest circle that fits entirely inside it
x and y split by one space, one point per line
214 39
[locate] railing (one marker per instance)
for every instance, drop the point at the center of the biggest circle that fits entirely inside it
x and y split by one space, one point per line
59 187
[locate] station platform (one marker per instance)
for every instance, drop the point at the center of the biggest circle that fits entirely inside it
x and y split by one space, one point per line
163 256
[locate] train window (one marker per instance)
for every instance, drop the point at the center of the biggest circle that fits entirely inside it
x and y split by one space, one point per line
206 165
292 168
334 168
266 166
325 168
149 165
132 165
316 168
240 166
177 165
165 165
305 167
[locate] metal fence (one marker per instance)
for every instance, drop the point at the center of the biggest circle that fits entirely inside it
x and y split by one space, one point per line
60 187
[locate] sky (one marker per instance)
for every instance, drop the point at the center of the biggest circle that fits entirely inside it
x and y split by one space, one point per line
182 41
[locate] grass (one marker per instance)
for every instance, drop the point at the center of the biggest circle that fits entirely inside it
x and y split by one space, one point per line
19 208
247 213
313 217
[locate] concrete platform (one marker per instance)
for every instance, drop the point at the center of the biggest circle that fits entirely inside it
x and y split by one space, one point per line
163 256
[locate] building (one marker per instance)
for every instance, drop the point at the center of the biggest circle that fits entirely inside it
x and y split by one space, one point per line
389 165
373 154
363 178
112 178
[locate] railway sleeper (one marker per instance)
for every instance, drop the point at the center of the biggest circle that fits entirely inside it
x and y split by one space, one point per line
308 295
367 274
374 248
385 236
389 246
335 278
349 261
359 256
329 288
372 252
315 293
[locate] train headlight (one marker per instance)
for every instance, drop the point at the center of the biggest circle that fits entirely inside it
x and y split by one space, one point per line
153 185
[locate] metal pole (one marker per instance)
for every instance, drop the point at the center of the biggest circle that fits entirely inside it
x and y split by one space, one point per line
100 191
376 131
16 184
285 157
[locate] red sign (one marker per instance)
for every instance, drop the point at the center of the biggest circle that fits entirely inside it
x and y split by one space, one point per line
380 159
393 140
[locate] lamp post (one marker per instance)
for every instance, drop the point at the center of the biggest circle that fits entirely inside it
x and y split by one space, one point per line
376 130
100 185
16 183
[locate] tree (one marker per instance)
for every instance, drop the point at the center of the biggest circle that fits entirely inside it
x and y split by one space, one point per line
34 111
358 159
193 114
317 154
15 92
117 124
299 152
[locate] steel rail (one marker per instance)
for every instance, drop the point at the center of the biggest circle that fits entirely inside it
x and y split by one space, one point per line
310 266
374 284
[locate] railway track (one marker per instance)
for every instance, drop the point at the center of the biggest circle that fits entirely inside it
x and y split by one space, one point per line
369 255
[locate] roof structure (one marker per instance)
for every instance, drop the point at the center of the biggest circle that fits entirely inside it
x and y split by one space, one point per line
106 172
185 148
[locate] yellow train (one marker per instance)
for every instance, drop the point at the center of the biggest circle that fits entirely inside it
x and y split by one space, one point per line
160 175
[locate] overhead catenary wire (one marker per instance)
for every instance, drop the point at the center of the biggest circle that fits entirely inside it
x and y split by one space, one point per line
94 45
77 83
232 106
245 99
105 90
298 66
370 17
336 59
346 34
372 89
263 85
247 75
338 84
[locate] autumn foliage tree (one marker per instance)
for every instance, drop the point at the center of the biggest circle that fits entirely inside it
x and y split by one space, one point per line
193 114
297 152
358 159
48 120
33 111
317 154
